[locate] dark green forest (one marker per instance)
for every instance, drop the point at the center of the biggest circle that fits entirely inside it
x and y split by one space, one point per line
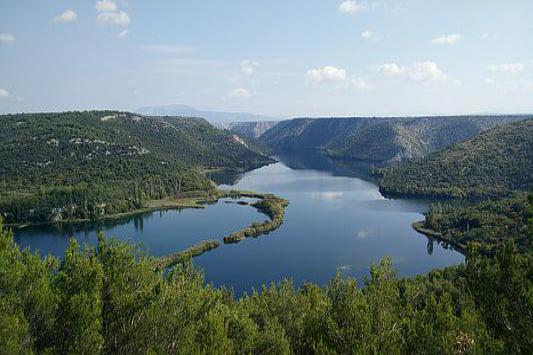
483 227
493 164
112 299
84 165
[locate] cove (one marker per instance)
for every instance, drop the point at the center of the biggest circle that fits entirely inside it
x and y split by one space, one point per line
337 220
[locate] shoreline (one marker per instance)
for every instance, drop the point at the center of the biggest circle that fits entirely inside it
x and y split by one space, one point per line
419 226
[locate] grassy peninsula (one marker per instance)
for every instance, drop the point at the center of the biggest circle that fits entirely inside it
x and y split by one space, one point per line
269 204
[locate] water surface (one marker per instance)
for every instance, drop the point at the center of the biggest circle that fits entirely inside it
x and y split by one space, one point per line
337 220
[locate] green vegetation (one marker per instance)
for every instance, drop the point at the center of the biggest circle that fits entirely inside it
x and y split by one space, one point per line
85 165
113 300
182 256
484 227
273 207
492 164
378 138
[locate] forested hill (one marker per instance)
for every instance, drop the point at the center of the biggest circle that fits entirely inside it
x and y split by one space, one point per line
379 138
491 164
107 158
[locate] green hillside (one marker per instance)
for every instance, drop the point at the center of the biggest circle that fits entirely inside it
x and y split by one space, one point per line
379 138
85 164
491 164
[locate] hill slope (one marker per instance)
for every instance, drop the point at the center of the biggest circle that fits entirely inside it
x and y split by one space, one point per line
379 139
103 162
491 164
251 129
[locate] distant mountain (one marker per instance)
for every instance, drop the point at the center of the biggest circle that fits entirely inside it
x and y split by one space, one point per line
217 118
379 138
250 129
491 164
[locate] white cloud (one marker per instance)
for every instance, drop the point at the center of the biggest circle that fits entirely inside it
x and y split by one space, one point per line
426 71
106 5
390 69
6 38
67 16
370 36
248 67
240 93
123 34
506 68
446 39
4 94
114 18
326 74
170 49
351 7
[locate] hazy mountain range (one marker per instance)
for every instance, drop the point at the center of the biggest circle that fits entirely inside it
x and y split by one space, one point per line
217 118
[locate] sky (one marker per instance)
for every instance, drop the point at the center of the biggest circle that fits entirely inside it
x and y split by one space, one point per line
276 58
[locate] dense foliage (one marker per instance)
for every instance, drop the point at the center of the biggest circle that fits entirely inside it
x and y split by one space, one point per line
113 300
483 227
492 164
87 164
379 138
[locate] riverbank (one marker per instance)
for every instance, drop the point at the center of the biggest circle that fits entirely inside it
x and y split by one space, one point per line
189 201
420 227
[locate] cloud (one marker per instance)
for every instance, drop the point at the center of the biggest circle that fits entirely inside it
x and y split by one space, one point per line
119 18
390 69
67 16
426 71
326 74
370 36
169 49
240 93
248 67
106 5
123 34
511 68
446 39
6 38
350 7
4 94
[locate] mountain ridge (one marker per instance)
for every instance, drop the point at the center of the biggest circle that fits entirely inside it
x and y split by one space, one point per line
379 138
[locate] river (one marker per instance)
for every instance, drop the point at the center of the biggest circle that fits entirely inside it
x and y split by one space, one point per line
337 220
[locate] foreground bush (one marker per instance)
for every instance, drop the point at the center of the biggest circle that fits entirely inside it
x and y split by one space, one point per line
113 300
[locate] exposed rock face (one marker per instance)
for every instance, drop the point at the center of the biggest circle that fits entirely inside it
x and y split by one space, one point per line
251 129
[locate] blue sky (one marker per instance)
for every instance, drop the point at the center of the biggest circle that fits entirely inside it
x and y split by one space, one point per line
279 58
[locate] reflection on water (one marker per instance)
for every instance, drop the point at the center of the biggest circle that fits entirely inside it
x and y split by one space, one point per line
336 220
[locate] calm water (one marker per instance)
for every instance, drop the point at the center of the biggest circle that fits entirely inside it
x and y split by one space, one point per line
336 220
